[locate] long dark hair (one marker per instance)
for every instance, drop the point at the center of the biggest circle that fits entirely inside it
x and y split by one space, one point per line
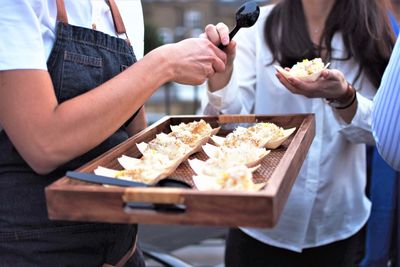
367 34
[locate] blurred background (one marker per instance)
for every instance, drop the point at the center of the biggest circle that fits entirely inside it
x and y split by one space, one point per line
169 21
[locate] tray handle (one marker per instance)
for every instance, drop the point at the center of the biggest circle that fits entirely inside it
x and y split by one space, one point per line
153 195
238 118
157 199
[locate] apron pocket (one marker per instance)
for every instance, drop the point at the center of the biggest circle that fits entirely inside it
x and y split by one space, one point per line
80 73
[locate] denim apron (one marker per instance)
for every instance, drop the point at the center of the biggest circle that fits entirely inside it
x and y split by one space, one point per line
81 59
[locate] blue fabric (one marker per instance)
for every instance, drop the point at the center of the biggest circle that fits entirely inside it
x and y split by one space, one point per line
394 23
384 195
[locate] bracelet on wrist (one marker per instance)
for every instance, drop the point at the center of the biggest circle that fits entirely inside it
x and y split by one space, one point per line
345 101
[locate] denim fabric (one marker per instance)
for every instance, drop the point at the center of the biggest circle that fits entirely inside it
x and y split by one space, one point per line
81 60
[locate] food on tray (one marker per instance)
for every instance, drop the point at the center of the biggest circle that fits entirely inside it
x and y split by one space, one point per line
241 136
141 170
188 138
194 134
278 134
200 127
236 178
213 166
147 169
166 145
244 154
307 70
137 175
158 161
263 134
162 155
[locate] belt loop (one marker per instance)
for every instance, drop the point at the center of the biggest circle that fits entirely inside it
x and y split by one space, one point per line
61 12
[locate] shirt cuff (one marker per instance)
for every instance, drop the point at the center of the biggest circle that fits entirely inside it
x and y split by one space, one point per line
359 130
224 98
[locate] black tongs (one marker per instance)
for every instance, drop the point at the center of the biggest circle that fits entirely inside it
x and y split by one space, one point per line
99 179
246 16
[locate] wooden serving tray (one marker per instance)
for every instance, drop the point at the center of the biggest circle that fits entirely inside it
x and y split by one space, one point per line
68 199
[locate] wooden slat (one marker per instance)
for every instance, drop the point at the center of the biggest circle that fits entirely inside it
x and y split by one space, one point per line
154 195
236 118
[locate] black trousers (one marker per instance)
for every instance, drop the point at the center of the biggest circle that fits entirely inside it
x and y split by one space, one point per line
245 251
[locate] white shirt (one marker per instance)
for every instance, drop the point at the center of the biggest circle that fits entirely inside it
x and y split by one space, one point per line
327 202
28 27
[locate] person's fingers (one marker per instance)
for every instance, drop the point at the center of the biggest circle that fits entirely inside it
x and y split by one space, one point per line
212 34
325 74
210 72
222 55
218 64
230 51
223 32
286 83
333 74
297 86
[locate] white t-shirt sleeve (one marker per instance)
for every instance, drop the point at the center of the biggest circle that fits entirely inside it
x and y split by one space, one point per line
21 43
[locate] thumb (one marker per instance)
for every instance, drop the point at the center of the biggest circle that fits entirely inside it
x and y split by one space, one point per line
326 74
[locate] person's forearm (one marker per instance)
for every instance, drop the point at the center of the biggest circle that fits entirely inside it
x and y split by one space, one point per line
346 104
103 110
348 113
48 134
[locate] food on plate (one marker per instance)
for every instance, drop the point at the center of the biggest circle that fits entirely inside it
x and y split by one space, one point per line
236 178
240 136
244 154
213 166
200 127
148 171
137 175
278 134
262 134
189 138
194 133
158 161
166 145
163 154
307 70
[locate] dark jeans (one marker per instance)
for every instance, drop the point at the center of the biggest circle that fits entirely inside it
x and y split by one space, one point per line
77 245
243 251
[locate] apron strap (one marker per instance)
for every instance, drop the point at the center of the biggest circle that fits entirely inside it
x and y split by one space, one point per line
116 16
126 257
117 19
